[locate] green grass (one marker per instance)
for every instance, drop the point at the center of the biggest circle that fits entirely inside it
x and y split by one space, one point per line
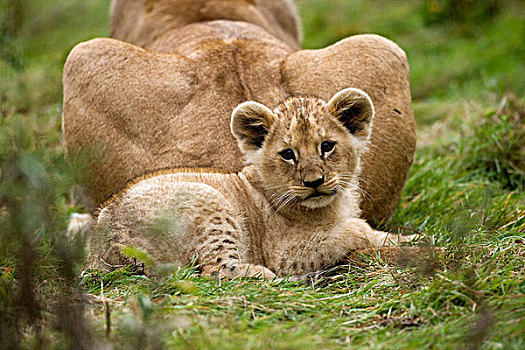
465 193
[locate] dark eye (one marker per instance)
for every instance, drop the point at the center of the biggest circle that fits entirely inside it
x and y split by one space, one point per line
327 146
287 154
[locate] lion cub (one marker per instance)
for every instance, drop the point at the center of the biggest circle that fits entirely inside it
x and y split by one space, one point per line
292 210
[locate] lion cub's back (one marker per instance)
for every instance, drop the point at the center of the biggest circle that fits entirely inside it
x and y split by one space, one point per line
156 214
145 197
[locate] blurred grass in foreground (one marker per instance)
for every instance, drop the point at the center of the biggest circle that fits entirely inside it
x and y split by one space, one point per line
465 193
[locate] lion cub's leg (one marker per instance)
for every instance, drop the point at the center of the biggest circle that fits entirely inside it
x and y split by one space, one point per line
328 247
364 237
221 244
173 221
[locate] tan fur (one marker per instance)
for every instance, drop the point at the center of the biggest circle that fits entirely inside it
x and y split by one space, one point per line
145 22
168 106
271 218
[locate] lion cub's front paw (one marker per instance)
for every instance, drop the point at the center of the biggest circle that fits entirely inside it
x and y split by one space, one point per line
242 270
247 270
387 239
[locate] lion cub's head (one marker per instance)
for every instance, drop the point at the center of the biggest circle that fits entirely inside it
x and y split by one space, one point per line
306 151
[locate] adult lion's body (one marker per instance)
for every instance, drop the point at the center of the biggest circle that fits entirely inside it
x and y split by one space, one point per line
169 105
143 22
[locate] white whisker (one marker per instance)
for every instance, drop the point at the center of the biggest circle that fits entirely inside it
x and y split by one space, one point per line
280 199
285 203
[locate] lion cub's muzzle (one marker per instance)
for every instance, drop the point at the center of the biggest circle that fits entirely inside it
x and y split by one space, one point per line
318 193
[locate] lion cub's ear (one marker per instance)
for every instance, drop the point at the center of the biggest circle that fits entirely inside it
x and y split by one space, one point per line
354 108
250 124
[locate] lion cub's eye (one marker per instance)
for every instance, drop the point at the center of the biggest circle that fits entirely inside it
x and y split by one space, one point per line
287 154
327 147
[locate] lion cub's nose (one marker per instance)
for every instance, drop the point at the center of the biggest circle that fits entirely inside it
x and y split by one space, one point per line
315 183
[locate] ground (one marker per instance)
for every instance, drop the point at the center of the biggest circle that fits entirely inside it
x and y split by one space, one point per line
465 194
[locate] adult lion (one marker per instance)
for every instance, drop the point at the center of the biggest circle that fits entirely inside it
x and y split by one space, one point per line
168 102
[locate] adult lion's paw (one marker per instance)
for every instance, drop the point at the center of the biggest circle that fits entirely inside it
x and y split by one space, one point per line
79 225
